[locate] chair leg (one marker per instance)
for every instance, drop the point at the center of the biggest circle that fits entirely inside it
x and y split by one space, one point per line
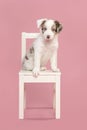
21 98
54 98
57 97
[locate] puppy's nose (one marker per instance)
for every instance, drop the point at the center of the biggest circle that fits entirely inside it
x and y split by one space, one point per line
48 36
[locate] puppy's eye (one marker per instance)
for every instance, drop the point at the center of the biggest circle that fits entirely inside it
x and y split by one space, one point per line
44 29
54 30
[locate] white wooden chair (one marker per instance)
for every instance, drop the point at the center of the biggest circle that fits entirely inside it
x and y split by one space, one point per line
44 77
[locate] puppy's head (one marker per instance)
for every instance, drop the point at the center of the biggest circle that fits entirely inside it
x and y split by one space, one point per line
49 28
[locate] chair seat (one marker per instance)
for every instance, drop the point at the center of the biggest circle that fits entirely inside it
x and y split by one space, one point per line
42 73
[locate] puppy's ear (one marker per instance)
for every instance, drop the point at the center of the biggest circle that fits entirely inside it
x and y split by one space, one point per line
40 21
58 26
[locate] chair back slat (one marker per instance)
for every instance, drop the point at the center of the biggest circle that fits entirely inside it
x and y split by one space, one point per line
23 40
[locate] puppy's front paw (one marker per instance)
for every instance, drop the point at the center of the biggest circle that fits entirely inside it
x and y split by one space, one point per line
54 69
36 72
43 68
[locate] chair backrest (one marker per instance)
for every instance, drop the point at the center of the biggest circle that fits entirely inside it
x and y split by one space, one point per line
23 41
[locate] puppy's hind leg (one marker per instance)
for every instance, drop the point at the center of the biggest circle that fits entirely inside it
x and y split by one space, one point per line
28 63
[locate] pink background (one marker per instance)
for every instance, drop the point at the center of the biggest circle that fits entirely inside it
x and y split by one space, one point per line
17 16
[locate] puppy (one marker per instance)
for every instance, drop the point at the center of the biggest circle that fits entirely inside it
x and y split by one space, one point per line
44 48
